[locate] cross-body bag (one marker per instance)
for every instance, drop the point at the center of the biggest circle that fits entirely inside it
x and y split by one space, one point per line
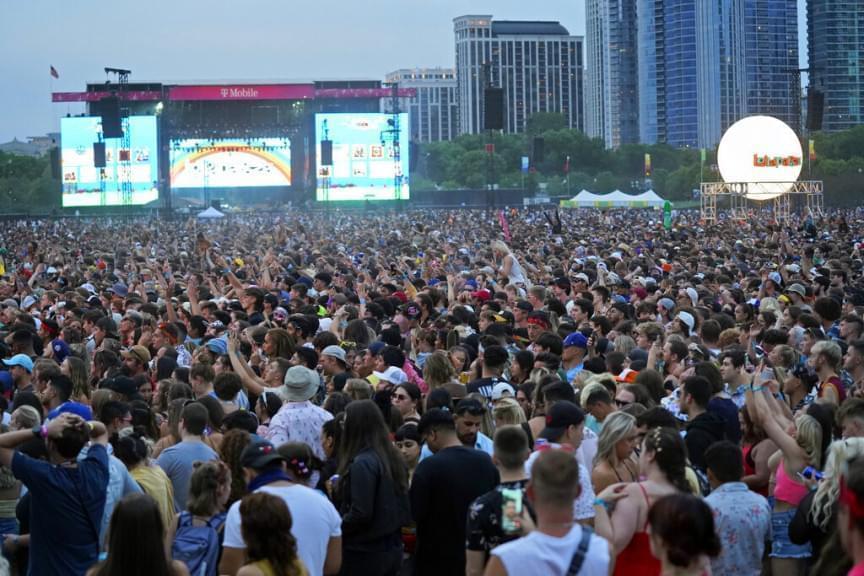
579 556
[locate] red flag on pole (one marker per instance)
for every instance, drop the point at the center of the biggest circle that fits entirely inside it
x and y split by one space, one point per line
505 226
54 72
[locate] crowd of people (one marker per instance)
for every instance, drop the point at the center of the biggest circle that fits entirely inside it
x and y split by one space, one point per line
433 392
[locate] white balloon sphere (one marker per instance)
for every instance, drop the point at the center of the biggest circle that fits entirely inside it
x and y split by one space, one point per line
762 152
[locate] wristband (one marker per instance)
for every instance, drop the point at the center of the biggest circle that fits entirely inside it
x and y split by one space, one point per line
362 301
600 502
758 388
40 431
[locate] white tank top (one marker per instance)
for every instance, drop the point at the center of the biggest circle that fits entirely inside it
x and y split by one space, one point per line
517 274
539 553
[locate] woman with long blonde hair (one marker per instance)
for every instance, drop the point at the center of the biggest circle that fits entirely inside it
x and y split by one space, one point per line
614 461
816 519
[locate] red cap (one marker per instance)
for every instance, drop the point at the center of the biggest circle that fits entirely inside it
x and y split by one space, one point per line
483 295
401 296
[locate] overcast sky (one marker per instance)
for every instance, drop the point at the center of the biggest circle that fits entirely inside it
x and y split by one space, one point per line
211 40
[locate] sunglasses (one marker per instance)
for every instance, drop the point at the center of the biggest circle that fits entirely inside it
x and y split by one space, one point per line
622 403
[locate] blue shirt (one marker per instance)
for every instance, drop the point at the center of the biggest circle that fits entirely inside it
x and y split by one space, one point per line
65 511
177 462
120 483
743 522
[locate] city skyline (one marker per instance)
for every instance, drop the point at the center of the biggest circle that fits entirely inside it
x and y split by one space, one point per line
212 42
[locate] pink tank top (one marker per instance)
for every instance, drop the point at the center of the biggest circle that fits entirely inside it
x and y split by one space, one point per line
786 489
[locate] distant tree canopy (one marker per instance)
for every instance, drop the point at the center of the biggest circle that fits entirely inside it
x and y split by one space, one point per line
464 163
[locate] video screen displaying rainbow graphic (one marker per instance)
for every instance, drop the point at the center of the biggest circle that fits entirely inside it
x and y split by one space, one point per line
364 165
86 185
230 162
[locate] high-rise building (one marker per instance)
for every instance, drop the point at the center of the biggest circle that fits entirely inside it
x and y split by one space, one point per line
434 110
666 40
836 58
747 52
612 103
537 64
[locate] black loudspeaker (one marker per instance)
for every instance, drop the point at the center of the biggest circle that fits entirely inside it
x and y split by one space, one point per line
493 103
112 125
815 107
326 153
55 163
539 149
99 154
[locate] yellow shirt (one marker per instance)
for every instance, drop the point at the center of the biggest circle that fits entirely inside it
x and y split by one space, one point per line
157 485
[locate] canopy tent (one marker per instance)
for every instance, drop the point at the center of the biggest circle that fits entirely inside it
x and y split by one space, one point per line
615 199
211 213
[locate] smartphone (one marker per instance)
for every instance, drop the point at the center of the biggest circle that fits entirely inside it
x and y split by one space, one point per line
511 511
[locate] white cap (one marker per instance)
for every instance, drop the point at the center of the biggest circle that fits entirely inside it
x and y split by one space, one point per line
500 389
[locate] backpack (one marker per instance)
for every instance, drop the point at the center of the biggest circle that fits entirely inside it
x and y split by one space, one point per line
198 546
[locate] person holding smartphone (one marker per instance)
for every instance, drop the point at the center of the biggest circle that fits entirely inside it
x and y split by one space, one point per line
499 516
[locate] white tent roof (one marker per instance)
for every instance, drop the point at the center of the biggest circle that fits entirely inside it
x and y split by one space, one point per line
211 212
614 199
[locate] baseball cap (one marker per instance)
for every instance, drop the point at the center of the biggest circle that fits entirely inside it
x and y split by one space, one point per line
27 302
375 348
483 295
334 352
120 290
583 277
576 339
562 415
60 350
139 352
21 360
666 303
687 319
412 312
218 346
259 454
500 389
393 375
797 289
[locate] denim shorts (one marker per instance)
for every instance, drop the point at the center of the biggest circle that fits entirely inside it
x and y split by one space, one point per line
781 546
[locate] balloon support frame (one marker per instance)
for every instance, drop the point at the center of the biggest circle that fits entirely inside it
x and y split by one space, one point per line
806 194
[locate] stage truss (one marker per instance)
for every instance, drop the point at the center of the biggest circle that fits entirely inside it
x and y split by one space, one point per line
804 194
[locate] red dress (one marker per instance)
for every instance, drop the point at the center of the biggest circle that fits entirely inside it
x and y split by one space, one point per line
637 558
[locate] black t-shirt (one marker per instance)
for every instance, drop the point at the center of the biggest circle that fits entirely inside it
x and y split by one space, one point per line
484 531
444 486
256 318
484 386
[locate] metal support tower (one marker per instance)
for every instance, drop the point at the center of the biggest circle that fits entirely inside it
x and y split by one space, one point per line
125 154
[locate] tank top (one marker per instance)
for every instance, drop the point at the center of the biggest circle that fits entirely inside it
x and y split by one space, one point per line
637 558
750 468
517 274
786 489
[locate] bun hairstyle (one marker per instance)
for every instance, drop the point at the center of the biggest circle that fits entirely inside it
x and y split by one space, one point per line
685 525
670 455
207 478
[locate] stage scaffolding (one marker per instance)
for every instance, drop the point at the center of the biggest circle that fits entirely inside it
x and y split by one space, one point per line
802 195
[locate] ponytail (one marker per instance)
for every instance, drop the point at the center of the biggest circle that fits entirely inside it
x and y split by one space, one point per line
670 454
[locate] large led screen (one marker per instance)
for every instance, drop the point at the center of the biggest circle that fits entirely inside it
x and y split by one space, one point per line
364 165
230 162
86 185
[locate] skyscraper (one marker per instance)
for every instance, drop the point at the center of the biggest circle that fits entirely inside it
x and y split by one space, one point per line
612 104
747 53
434 110
836 49
666 40
537 64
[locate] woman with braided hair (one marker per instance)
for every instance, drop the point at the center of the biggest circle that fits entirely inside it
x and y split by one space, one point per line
622 509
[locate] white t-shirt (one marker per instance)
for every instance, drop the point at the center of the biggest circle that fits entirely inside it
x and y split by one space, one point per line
314 522
583 507
539 553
